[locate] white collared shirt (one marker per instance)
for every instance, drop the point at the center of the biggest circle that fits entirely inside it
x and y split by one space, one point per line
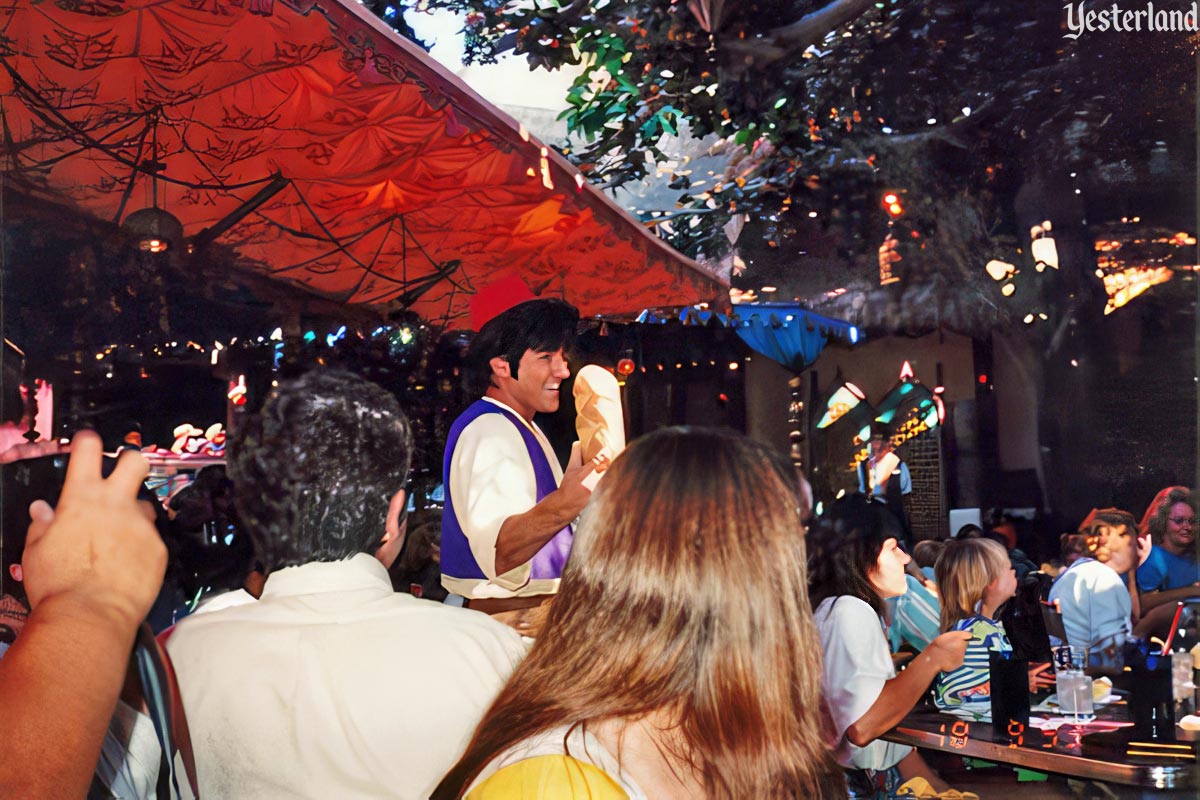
492 479
332 685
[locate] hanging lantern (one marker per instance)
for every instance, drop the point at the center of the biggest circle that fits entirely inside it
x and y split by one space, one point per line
625 367
155 230
1045 252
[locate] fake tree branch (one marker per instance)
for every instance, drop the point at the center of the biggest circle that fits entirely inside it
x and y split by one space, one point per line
566 16
780 43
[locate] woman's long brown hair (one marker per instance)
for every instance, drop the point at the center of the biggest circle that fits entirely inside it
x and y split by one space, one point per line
685 592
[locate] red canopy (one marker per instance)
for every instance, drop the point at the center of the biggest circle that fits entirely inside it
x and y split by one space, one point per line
380 177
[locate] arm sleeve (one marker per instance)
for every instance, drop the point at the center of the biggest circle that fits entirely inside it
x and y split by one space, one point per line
857 661
918 615
491 479
905 479
1152 574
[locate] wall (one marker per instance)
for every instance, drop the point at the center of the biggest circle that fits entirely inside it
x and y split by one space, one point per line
926 505
767 401
1016 377
874 366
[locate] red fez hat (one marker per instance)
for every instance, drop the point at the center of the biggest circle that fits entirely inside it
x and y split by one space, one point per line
497 297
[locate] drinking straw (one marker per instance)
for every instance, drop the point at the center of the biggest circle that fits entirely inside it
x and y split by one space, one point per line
1174 628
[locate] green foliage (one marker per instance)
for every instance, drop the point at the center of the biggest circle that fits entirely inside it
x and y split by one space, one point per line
940 98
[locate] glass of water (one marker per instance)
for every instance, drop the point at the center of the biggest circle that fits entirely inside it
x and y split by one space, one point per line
1075 696
1182 686
1073 687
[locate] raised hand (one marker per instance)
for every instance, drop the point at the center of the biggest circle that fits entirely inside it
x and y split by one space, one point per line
97 547
949 649
1040 678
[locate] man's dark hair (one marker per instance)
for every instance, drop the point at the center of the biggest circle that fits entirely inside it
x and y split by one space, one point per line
844 545
314 471
542 325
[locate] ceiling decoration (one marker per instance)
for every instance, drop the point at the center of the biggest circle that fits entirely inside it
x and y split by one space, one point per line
326 150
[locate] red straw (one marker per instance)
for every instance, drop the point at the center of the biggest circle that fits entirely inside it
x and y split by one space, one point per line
1174 629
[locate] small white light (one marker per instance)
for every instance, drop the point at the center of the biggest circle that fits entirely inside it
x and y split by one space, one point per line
999 270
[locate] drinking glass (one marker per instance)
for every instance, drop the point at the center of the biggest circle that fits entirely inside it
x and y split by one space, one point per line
1073 687
1070 659
1183 688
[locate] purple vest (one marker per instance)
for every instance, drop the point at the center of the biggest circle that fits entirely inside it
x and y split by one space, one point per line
457 559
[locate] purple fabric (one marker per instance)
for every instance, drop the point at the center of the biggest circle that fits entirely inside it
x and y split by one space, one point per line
457 559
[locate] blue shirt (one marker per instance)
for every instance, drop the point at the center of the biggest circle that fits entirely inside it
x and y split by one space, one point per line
916 615
1164 570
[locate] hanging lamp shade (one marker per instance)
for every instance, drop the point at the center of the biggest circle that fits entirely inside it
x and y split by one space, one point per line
156 230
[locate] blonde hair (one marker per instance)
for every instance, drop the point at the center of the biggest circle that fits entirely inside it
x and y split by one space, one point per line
963 572
685 594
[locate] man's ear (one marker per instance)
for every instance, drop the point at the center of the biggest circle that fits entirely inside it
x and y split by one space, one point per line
500 367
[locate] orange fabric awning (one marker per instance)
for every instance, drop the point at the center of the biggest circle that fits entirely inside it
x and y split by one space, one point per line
400 185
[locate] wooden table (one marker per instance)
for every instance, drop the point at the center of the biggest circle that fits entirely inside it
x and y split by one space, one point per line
1108 757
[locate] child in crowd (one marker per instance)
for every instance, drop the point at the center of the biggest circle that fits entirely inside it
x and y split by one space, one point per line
926 554
1094 600
974 578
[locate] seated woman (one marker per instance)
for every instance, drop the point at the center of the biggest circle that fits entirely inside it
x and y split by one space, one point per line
975 578
855 564
1170 572
1094 600
679 658
1145 540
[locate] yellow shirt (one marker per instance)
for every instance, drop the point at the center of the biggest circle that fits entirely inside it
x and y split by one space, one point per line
549 777
563 762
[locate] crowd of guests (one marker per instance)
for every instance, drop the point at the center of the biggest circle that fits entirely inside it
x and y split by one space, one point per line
706 637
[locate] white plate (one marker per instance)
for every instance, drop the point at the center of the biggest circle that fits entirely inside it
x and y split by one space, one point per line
1051 702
